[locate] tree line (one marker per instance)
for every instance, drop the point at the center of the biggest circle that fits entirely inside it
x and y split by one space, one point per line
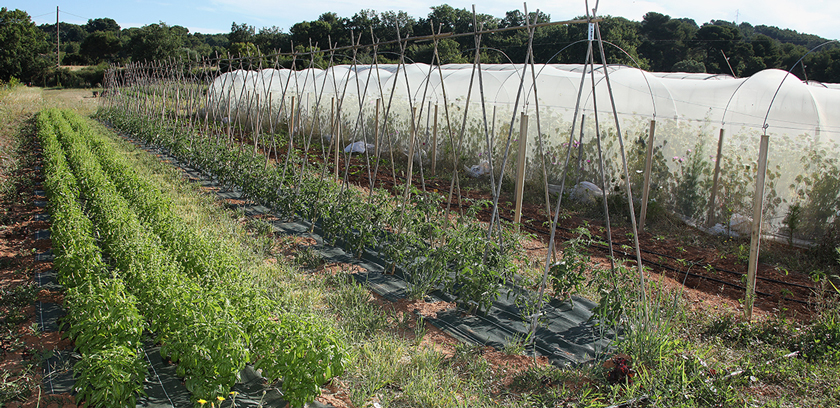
657 43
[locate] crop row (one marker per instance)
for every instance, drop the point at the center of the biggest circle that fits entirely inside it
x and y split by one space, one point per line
104 321
434 251
184 286
306 355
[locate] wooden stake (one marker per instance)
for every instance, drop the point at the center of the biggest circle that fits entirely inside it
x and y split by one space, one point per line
434 141
376 131
336 131
710 218
755 235
229 119
292 119
258 124
410 152
520 169
648 167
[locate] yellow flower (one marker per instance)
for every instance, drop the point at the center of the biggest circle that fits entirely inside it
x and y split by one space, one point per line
220 399
234 393
202 402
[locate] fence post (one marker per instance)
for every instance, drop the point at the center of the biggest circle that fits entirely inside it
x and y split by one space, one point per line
520 169
434 141
648 167
376 131
710 217
410 152
755 235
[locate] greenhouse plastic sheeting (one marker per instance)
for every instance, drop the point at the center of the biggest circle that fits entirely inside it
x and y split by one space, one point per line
797 107
690 112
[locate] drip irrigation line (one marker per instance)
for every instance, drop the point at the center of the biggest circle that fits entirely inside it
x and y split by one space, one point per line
152 366
693 263
719 269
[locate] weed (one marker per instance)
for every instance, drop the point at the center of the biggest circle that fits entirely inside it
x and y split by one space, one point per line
515 346
419 330
309 257
19 296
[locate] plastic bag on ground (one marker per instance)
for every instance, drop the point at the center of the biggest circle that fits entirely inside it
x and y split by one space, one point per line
479 170
358 147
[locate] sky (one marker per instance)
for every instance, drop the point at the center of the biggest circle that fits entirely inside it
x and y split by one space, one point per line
216 16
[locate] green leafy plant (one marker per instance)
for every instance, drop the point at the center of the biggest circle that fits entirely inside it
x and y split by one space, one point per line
569 273
793 221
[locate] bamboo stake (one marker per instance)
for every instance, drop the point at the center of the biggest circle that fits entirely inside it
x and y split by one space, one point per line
629 191
336 136
257 123
376 131
291 136
434 141
710 218
410 154
520 168
755 235
580 147
648 167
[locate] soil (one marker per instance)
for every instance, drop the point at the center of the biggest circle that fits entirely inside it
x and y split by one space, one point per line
25 345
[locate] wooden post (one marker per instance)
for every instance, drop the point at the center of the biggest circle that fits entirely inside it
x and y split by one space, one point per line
292 123
292 119
257 125
376 131
410 152
520 169
336 136
710 217
648 167
229 119
580 149
755 235
434 141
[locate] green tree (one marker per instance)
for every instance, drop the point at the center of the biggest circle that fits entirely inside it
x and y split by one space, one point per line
22 42
245 49
448 51
624 34
271 39
155 42
101 46
716 40
102 24
318 31
666 40
339 34
451 20
689 65
241 33
70 33
363 22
